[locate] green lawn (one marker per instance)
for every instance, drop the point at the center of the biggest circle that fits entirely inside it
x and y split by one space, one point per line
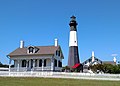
54 82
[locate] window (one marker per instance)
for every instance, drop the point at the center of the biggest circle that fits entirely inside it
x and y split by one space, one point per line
59 64
90 60
31 63
97 59
27 63
36 49
57 53
40 63
55 63
31 50
23 63
44 62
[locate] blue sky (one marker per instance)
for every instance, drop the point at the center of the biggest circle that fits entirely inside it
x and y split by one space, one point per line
39 22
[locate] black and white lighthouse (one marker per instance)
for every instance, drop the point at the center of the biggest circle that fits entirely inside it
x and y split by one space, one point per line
73 57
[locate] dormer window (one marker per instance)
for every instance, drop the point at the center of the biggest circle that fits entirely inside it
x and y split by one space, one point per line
32 50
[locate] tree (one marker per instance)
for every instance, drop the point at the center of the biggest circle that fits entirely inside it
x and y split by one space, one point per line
96 68
106 68
116 69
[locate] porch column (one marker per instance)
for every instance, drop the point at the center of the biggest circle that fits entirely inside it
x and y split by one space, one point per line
57 63
30 63
15 63
52 64
18 65
33 64
42 64
37 62
9 64
26 65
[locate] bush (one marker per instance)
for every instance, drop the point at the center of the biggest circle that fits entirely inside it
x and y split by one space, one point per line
106 68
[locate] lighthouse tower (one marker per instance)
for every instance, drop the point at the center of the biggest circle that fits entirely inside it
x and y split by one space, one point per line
73 57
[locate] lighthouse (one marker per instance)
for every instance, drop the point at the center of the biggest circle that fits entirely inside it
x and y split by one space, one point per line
73 57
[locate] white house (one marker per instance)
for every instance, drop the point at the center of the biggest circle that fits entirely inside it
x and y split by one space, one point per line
36 58
91 61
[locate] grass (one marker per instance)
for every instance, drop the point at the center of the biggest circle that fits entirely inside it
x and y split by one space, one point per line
7 81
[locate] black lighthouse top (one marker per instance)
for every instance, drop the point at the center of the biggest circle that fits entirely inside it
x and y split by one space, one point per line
73 24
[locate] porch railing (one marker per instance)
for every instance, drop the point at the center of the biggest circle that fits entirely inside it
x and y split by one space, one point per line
22 69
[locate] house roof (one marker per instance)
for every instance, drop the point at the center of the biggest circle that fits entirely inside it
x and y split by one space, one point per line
98 62
90 59
42 50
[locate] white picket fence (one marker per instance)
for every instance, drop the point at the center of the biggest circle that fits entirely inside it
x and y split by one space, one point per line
61 75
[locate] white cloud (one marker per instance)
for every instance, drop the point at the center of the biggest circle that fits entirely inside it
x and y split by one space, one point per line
114 55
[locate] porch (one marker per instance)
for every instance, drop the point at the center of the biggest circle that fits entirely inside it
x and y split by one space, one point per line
48 64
